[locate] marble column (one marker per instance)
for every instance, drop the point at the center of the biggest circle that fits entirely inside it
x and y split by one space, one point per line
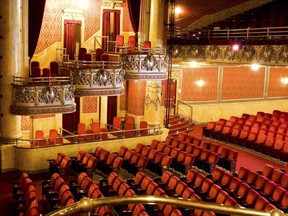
156 23
11 64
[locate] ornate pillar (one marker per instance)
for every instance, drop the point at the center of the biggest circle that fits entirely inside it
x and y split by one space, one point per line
156 23
11 64
152 112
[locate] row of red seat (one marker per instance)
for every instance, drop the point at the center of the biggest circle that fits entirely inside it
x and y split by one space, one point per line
54 138
60 193
205 152
24 194
241 191
253 134
61 164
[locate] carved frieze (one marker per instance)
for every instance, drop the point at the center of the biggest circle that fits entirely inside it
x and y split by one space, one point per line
144 66
30 100
95 82
268 54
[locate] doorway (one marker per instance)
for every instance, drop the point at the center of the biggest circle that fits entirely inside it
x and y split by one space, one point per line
72 37
70 121
111 28
111 109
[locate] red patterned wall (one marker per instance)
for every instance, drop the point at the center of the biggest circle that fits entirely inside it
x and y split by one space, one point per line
123 105
136 97
242 82
89 104
25 123
51 29
276 88
192 92
127 27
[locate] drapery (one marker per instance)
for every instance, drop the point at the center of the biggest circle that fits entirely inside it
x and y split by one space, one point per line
36 11
111 27
134 12
69 29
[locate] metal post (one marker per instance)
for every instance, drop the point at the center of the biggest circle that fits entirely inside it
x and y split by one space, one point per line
170 24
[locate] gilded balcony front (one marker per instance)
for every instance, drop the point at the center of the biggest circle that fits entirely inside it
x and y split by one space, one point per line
96 78
149 65
42 95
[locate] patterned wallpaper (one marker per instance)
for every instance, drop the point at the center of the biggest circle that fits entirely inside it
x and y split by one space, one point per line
192 92
123 105
89 104
51 29
25 123
136 97
127 27
242 82
276 88
92 19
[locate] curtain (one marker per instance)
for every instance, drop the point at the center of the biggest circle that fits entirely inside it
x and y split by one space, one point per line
106 28
69 30
36 11
134 12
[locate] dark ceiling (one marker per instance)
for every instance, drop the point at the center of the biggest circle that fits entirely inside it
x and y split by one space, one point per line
193 10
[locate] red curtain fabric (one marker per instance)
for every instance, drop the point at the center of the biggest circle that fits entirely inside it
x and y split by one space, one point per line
36 11
106 28
134 12
69 29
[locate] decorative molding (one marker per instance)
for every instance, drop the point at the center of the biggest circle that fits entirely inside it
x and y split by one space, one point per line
262 54
42 99
97 82
144 66
112 3
153 94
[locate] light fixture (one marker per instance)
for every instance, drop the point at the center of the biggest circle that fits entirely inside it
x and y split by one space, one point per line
193 64
235 47
255 67
200 83
178 10
284 80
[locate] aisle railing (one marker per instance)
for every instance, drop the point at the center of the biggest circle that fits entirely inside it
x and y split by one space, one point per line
85 205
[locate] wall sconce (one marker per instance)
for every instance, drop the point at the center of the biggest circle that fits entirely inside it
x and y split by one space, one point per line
178 11
193 64
200 83
255 67
284 80
235 47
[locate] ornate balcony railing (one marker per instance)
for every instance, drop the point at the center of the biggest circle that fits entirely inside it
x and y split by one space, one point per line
148 64
42 95
95 78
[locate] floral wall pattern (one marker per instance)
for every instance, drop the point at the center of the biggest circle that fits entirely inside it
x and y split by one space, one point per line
89 104
136 97
242 82
277 86
192 92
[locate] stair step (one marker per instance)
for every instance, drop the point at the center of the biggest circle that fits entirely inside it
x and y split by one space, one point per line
181 124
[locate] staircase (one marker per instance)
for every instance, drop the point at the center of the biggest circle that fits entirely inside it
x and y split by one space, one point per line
179 124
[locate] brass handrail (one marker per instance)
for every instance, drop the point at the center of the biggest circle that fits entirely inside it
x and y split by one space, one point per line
189 106
85 205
